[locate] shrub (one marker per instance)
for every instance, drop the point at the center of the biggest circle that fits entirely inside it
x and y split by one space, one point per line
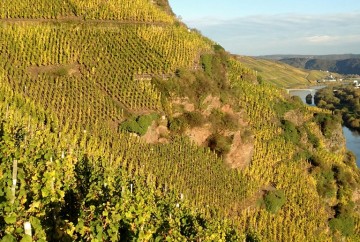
230 122
188 119
194 119
260 79
138 125
222 120
247 135
282 107
291 133
274 200
313 139
177 124
343 221
206 62
316 160
350 159
344 224
325 184
302 155
219 143
327 123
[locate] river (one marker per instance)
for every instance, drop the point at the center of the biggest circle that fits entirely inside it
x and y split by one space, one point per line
353 142
352 137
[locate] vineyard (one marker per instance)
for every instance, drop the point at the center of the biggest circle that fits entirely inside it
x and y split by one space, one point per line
69 189
73 73
97 78
120 10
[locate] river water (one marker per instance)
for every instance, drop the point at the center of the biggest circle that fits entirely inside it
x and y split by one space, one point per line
353 142
352 137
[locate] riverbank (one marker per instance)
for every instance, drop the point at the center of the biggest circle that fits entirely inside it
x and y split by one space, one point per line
342 100
352 137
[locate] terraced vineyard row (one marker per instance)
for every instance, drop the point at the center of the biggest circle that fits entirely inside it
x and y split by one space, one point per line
92 72
64 187
122 10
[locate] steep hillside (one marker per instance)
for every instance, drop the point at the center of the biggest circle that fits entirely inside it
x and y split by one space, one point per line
281 74
120 124
73 187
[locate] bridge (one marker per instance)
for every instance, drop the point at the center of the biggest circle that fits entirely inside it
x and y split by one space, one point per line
312 91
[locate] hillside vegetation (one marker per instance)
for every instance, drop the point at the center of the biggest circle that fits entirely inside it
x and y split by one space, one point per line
344 101
120 124
281 74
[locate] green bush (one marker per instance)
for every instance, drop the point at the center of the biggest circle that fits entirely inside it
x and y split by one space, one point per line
188 119
313 139
219 143
282 107
350 159
230 122
139 124
316 160
247 135
260 79
328 123
291 133
302 155
206 62
326 186
177 125
344 224
222 120
274 200
194 119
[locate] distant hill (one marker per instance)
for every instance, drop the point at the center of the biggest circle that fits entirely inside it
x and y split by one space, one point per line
342 64
282 74
327 57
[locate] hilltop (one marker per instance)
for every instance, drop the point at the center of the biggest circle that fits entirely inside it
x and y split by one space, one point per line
118 123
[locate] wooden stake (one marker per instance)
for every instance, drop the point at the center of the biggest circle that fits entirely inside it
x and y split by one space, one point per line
7 110
27 228
14 179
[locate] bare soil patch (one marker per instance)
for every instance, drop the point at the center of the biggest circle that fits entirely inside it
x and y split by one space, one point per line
199 134
295 117
55 70
356 196
210 103
157 133
182 105
240 153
